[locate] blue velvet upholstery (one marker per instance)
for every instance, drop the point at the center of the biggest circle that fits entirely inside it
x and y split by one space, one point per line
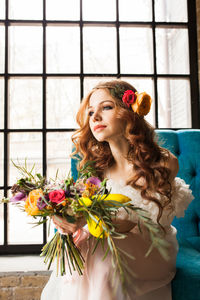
185 144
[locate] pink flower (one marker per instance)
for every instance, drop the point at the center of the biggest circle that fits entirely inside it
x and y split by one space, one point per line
129 97
57 196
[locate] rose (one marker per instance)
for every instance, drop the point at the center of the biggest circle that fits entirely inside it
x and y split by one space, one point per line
129 97
31 202
57 196
142 104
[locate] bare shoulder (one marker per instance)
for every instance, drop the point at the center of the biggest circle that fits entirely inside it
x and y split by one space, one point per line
172 164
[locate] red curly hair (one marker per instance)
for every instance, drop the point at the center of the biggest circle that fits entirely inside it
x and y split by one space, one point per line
144 153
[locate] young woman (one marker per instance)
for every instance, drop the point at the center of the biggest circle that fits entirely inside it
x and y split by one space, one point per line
114 134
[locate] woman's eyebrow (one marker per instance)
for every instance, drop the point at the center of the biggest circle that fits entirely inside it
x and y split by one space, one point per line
102 102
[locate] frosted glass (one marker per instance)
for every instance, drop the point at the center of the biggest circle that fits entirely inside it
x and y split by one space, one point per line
63 10
99 49
144 85
172 50
24 146
1 159
25 103
136 50
1 220
95 10
2 9
174 103
20 228
1 102
63 49
26 9
63 100
171 11
59 148
2 48
134 10
25 49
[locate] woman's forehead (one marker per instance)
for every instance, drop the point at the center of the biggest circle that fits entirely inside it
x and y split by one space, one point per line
98 96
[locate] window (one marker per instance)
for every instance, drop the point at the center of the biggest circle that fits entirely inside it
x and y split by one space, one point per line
53 52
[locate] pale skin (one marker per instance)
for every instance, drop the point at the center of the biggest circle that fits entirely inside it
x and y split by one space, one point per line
105 126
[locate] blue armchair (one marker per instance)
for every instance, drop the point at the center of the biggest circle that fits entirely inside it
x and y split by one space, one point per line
185 144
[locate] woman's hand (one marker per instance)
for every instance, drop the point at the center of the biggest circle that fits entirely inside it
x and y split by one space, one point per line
65 227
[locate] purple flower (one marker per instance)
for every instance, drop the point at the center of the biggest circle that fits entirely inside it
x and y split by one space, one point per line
94 180
41 203
18 197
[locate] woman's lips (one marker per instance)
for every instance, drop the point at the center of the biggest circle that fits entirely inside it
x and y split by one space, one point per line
99 127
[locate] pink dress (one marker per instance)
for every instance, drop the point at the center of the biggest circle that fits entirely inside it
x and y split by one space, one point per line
153 274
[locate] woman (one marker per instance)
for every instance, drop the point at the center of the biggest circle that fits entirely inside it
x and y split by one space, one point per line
114 134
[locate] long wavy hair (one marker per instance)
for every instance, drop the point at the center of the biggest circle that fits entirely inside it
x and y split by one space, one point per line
146 156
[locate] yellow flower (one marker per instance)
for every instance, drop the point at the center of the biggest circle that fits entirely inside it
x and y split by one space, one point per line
85 201
142 104
117 197
31 202
96 227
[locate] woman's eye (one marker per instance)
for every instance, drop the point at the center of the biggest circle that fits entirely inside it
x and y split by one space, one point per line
107 107
90 113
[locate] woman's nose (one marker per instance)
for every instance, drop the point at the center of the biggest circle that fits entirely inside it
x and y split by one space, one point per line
96 116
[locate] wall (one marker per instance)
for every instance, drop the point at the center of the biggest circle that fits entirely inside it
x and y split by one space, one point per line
22 285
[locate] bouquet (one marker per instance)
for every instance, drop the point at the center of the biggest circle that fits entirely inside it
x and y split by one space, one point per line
86 198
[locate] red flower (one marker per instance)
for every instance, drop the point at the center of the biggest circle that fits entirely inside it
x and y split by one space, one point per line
57 196
129 97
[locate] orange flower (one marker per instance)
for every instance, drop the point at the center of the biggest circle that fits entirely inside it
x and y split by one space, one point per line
142 104
31 202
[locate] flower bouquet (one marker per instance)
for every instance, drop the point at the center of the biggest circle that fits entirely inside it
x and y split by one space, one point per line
86 198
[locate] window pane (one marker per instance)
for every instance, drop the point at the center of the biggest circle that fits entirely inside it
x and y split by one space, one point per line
63 49
91 82
20 227
1 102
23 94
136 50
24 146
172 50
171 11
174 107
63 10
58 157
63 99
2 9
2 48
144 85
95 10
23 9
1 220
25 49
1 160
134 10
99 49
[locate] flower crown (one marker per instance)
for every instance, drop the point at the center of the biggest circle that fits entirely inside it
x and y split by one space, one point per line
140 103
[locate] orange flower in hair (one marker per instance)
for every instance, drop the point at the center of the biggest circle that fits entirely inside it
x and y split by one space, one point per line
142 104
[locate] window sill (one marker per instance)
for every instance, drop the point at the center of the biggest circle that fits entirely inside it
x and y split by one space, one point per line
25 263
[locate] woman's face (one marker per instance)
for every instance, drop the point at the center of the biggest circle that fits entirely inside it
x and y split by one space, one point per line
103 121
